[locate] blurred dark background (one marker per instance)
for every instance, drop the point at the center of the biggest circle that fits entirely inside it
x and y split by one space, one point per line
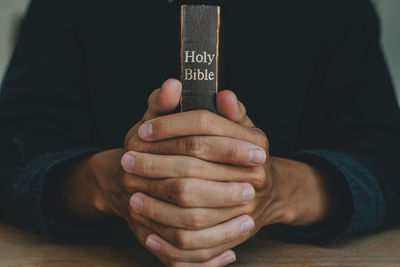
12 11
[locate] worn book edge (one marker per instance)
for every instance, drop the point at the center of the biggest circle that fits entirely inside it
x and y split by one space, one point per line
217 50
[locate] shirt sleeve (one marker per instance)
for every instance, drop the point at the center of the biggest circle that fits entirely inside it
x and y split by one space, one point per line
351 123
366 202
44 114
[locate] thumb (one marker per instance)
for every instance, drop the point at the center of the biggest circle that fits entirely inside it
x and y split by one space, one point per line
161 102
164 100
230 107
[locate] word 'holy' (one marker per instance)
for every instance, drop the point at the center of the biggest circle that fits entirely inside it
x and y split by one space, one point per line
197 74
192 57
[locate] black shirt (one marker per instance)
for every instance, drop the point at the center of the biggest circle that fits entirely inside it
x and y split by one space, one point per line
311 74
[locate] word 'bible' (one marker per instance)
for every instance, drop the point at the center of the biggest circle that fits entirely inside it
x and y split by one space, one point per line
200 30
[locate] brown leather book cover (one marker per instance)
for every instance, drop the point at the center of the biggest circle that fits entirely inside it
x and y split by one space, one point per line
200 31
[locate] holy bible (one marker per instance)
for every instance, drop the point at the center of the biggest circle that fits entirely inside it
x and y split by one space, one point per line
200 27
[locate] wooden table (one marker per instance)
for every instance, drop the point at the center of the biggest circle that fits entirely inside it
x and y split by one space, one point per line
24 249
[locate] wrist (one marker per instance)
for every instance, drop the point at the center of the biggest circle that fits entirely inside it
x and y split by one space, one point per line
67 192
104 171
305 197
81 190
75 192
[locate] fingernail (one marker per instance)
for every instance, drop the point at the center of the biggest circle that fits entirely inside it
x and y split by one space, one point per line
229 259
137 204
249 194
152 244
257 156
146 130
128 161
246 226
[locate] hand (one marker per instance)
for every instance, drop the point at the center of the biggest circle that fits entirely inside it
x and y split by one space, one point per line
192 224
227 106
109 189
97 186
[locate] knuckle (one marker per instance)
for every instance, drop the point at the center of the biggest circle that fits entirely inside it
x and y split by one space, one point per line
205 255
250 208
179 192
289 217
183 197
195 219
243 109
151 96
266 145
182 239
136 144
131 144
205 121
126 183
173 255
101 205
172 191
226 234
194 168
263 139
194 146
258 177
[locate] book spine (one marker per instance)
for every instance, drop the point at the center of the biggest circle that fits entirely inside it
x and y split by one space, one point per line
200 26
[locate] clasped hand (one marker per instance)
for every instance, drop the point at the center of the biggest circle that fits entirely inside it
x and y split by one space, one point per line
196 184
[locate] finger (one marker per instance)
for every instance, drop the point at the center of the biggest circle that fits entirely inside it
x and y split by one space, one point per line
173 256
161 166
229 107
210 148
186 218
193 193
198 123
224 259
161 102
165 100
207 238
141 232
164 249
245 121
145 237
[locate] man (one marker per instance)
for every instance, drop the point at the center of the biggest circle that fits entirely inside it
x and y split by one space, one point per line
316 150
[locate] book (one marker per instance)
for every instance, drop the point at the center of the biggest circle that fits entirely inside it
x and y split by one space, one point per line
200 40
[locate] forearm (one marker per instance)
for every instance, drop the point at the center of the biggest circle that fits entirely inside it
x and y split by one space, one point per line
72 192
300 208
325 193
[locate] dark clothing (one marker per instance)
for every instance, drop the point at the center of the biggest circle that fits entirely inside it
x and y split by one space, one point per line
311 74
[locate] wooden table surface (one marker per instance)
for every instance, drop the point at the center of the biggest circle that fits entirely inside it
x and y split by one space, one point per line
21 248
